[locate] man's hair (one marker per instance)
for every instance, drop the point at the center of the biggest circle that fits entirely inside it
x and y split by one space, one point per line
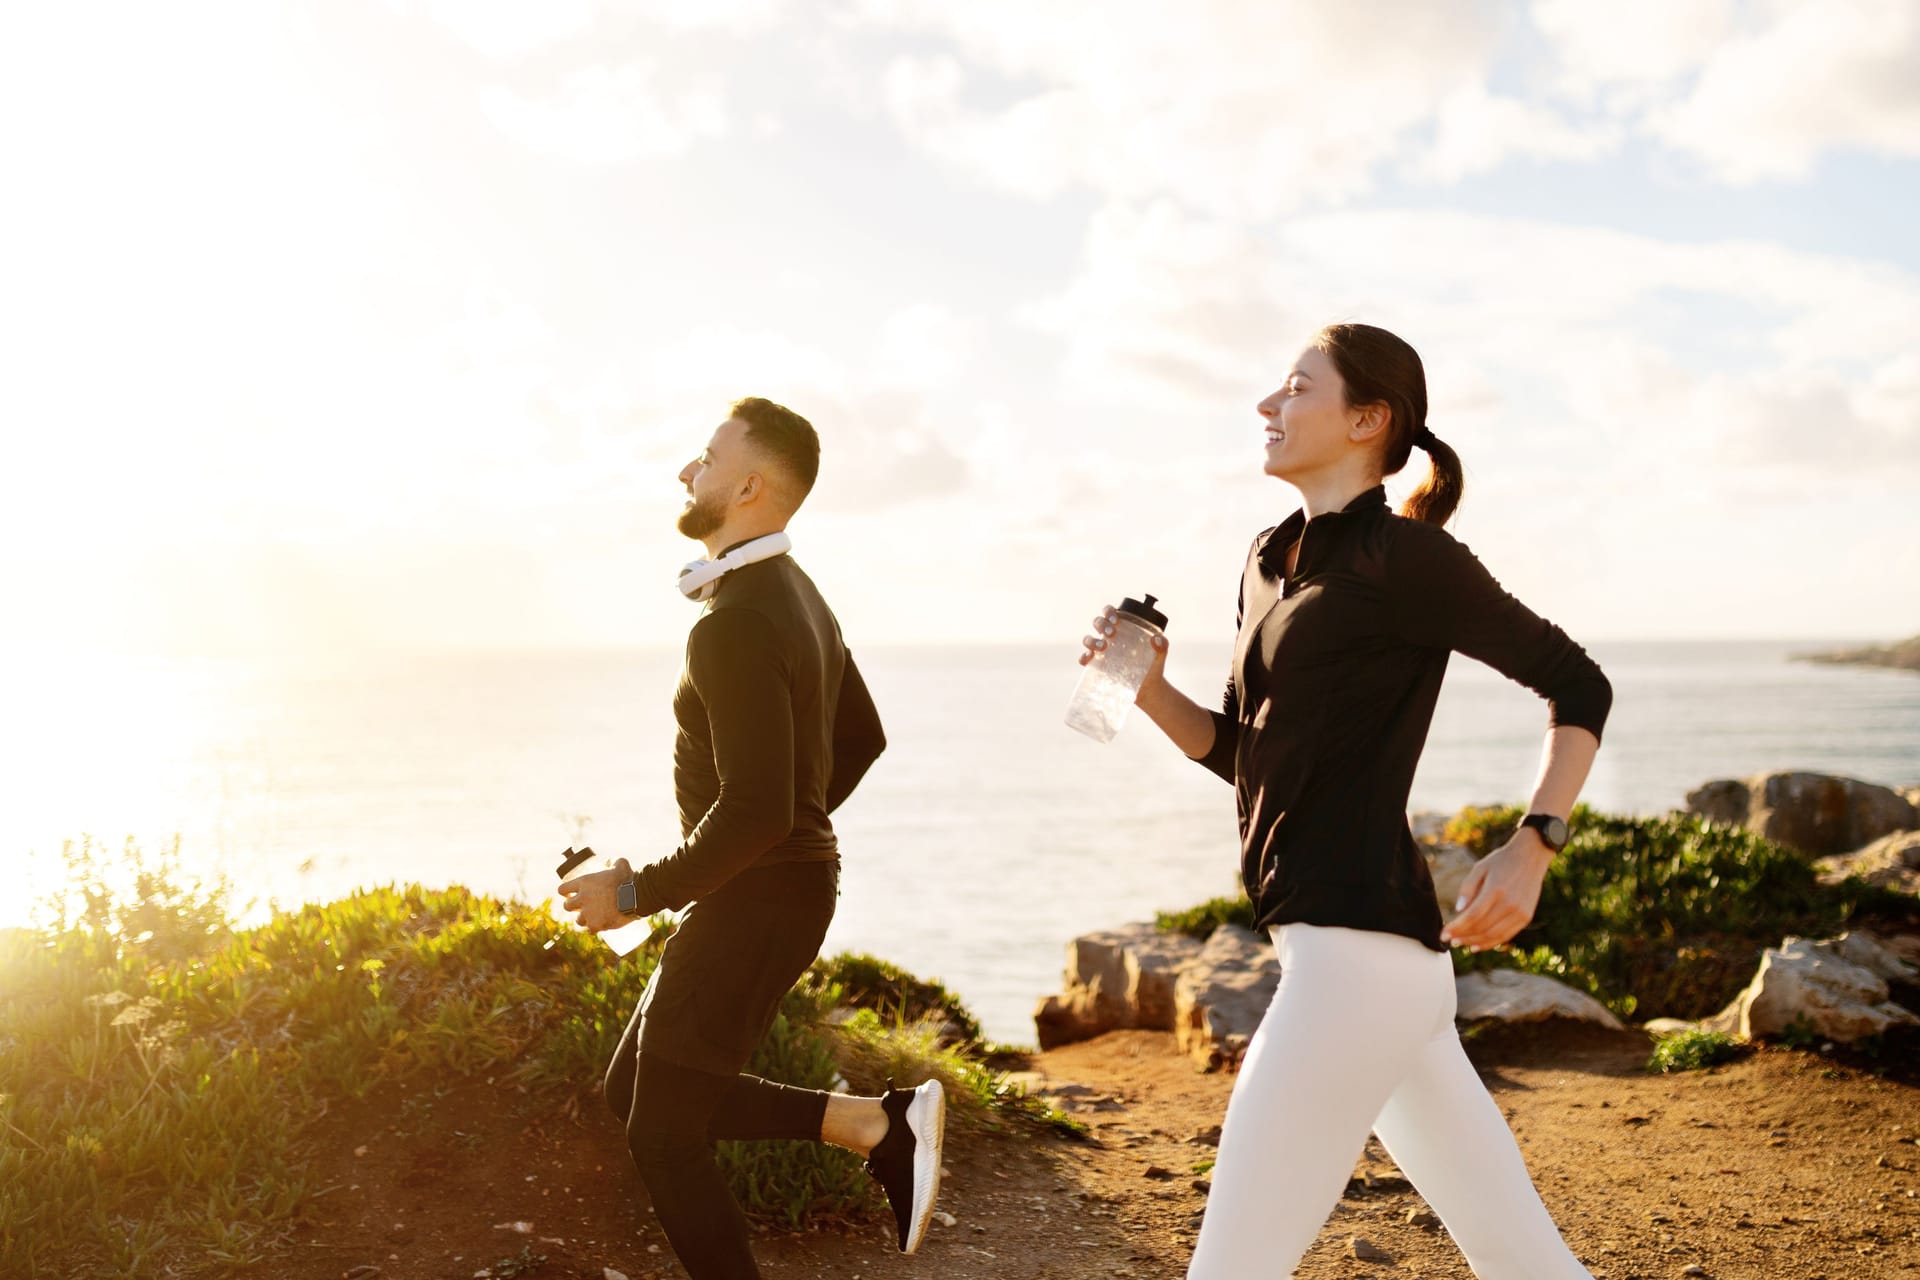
783 436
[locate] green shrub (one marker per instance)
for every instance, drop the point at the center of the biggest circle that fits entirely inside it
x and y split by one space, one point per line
1654 917
161 1073
1694 1050
1668 916
867 982
1200 922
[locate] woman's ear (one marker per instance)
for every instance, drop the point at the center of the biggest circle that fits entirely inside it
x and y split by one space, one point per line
1373 419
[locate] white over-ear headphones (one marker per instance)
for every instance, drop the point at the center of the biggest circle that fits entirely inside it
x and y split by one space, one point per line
701 578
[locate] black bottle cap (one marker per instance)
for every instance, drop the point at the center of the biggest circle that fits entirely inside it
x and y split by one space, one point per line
1145 611
571 859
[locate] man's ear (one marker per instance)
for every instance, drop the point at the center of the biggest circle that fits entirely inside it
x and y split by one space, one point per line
752 488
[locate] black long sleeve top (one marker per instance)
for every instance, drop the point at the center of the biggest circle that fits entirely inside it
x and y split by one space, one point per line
1336 671
775 729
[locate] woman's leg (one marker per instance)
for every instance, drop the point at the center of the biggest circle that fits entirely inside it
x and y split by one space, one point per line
1448 1136
1352 1011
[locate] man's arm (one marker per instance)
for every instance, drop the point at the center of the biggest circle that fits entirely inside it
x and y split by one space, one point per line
737 667
858 738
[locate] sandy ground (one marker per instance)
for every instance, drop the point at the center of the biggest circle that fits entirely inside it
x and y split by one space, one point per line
1783 1164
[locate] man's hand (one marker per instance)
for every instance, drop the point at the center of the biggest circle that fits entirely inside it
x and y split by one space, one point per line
1500 893
591 897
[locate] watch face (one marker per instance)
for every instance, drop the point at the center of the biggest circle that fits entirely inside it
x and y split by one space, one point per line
1556 833
626 896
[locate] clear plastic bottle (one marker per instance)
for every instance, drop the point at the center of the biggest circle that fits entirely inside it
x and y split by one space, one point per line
623 939
1112 679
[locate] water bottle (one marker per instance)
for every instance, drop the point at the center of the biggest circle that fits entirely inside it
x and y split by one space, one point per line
623 939
1112 679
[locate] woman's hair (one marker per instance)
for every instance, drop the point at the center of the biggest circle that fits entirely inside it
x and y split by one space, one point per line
1380 368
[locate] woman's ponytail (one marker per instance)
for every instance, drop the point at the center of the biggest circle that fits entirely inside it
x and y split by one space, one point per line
1438 496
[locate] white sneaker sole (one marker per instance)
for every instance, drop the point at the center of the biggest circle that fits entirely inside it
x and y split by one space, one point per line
927 1120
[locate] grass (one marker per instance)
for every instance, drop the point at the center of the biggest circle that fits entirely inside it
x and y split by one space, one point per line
1694 1051
1654 917
163 1075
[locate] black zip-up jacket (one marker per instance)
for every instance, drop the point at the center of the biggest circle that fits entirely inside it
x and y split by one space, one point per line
776 728
1336 671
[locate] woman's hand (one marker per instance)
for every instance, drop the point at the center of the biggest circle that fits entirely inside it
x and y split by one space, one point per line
1500 893
1096 644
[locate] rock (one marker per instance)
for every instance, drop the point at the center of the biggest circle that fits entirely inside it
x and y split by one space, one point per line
1891 862
1812 813
1821 985
1207 1137
1449 865
1423 1218
1902 655
608 1273
1428 825
1664 1027
945 1219
1726 801
1116 978
1222 994
1872 953
1367 1250
1509 996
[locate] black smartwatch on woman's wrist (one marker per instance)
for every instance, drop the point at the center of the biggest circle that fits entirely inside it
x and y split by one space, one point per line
1553 831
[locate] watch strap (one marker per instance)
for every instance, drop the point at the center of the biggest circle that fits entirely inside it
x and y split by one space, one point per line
1546 824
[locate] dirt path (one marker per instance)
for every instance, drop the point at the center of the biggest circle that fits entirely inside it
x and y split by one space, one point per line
1783 1164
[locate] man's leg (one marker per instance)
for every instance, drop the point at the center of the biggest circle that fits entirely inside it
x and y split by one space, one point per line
668 1124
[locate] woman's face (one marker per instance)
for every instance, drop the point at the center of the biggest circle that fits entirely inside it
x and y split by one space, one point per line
1308 419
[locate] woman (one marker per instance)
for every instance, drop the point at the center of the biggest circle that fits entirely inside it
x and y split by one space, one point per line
1348 614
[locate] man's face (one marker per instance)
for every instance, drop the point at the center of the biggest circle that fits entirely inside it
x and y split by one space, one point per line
712 480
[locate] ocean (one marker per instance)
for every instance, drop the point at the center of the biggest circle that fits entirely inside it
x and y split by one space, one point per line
986 838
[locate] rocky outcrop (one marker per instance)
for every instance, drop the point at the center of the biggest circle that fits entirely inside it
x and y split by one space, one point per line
1221 995
1813 813
1903 656
1116 979
1892 862
1506 995
1836 989
1131 977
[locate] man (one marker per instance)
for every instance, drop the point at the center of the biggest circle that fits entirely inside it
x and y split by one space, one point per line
775 729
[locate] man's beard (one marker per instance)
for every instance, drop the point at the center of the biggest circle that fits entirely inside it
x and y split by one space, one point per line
703 518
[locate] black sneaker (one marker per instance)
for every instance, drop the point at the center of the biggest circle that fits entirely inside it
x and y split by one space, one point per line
907 1161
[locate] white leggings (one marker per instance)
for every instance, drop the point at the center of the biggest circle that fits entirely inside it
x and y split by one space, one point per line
1360 1036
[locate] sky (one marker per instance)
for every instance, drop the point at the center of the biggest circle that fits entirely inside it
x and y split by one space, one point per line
366 324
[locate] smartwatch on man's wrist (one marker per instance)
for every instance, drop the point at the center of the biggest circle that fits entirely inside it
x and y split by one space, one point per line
626 894
1553 831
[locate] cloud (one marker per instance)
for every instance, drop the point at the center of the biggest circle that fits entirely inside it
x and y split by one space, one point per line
1754 92
1236 108
609 115
509 30
1629 42
1255 110
1838 75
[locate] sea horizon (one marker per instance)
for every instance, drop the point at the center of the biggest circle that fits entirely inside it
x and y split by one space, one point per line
983 841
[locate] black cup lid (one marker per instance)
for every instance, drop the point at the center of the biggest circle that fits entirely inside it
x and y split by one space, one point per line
1144 610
